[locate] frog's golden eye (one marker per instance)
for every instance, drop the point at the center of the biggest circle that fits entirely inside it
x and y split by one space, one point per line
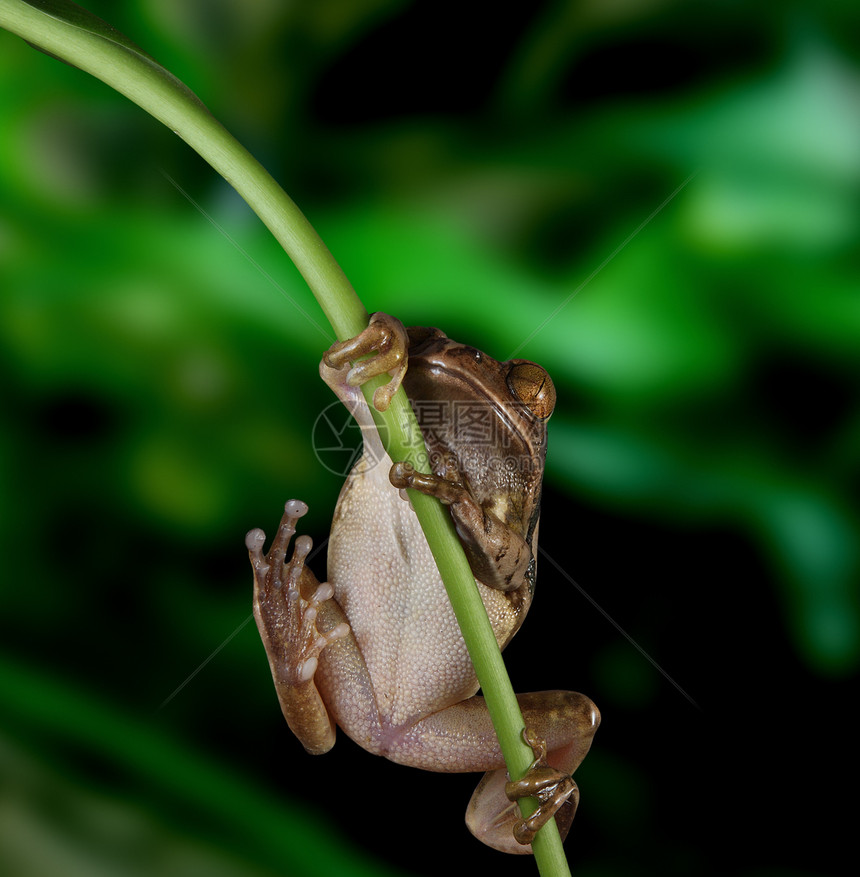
534 387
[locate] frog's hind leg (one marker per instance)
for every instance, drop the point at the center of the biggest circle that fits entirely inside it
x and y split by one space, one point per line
494 816
461 738
559 727
297 619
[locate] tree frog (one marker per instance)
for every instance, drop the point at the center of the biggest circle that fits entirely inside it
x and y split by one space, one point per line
376 649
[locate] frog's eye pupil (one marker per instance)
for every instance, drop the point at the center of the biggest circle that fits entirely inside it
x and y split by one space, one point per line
534 387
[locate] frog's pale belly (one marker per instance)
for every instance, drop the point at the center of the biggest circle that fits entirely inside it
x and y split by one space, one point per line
395 601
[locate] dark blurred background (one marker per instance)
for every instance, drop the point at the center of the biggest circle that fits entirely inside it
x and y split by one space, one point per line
658 201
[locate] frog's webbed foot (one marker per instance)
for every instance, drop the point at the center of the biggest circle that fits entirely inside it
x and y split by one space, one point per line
287 603
552 788
386 339
567 722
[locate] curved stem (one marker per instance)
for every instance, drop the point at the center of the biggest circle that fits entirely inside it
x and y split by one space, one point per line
72 34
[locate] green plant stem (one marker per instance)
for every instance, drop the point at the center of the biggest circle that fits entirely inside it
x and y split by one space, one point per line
73 35
114 59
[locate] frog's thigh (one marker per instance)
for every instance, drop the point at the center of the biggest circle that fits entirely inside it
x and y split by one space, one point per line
461 737
345 684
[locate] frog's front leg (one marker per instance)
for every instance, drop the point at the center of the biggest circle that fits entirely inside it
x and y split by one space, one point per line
297 619
498 555
385 337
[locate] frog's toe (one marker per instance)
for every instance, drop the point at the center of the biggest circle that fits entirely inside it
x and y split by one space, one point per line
496 820
404 475
558 795
254 541
276 556
293 510
385 337
287 597
309 640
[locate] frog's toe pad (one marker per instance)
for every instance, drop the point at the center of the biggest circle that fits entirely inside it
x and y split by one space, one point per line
276 557
314 641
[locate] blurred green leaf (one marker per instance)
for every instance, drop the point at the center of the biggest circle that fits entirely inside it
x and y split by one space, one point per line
139 761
